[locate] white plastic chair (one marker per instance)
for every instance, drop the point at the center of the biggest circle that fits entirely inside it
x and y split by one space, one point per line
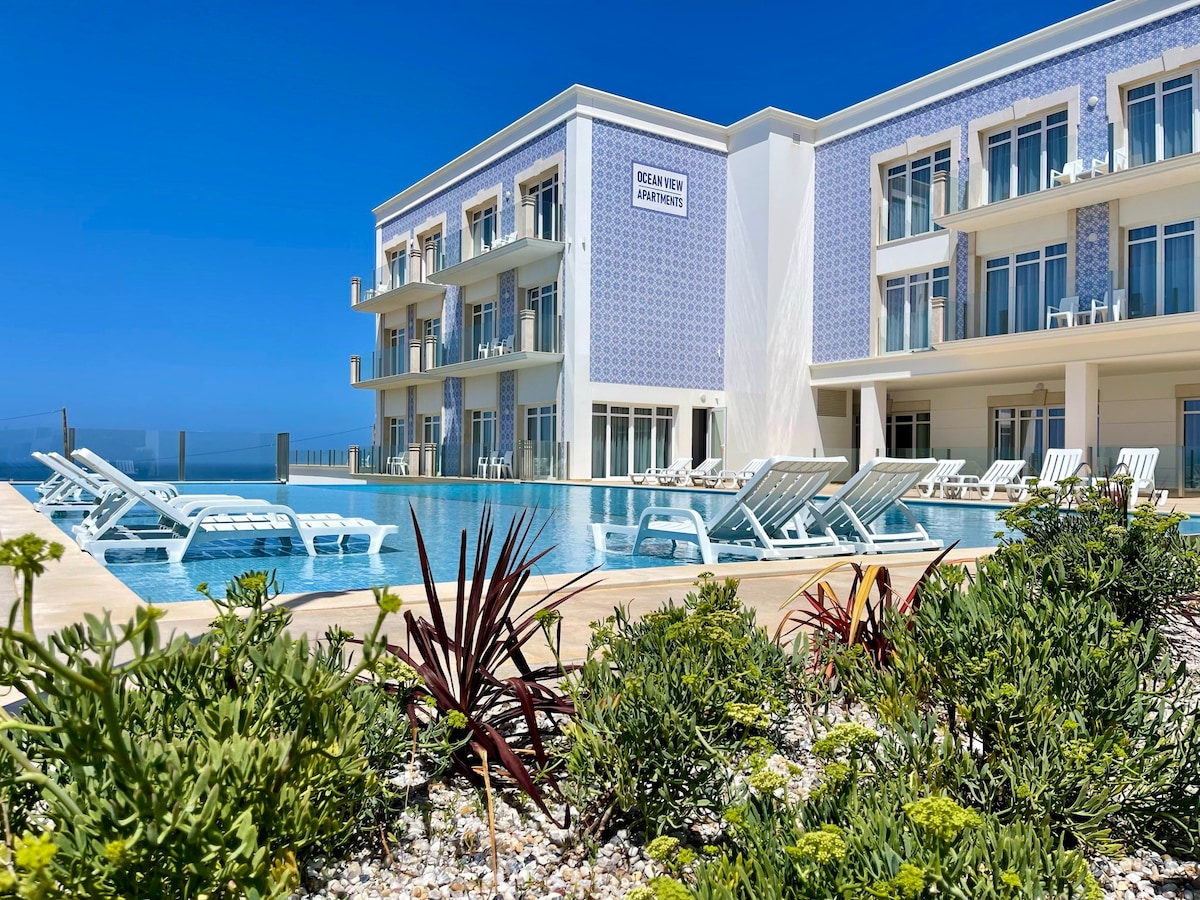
482 466
503 465
1099 311
946 469
483 351
1065 313
1070 173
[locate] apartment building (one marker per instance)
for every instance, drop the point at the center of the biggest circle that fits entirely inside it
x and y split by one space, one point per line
991 261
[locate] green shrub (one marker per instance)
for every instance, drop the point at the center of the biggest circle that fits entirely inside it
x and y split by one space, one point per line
1141 564
666 704
178 768
1021 693
864 834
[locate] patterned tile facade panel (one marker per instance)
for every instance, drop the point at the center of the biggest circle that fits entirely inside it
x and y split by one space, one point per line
508 410
1091 253
411 422
508 305
658 280
452 324
842 241
452 425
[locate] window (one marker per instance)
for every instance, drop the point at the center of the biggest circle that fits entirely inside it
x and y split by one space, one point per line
397 351
1162 269
540 452
1019 287
908 435
431 430
1027 433
1040 148
431 436
909 187
906 308
397 266
1161 118
625 437
431 332
483 230
483 437
540 424
544 303
1191 444
397 437
547 220
482 328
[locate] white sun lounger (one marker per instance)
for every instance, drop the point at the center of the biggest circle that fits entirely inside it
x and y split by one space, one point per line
186 521
999 474
1139 464
705 473
946 469
855 513
762 521
1057 465
738 476
77 490
668 475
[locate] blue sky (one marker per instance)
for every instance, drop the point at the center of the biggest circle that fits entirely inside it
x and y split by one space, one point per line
186 189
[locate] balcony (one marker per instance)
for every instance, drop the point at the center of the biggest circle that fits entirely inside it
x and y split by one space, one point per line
503 256
386 371
388 293
1093 186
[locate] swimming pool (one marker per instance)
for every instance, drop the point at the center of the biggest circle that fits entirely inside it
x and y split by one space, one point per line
444 510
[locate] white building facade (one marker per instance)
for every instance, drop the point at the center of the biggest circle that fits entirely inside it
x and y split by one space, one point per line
991 261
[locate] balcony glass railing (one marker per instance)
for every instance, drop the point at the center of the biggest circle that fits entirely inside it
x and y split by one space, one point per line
393 361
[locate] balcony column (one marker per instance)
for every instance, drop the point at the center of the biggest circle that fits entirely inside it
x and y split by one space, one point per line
414 263
937 321
872 435
414 355
528 208
526 329
939 195
430 264
355 369
355 290
430 352
352 459
1083 408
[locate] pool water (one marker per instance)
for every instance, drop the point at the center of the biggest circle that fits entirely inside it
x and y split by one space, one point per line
443 511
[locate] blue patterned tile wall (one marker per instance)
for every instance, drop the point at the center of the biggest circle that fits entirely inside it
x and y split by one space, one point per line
411 422
508 305
450 202
452 425
508 410
658 280
842 239
1091 253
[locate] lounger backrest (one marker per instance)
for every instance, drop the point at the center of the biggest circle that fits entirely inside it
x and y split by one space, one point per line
707 466
945 469
1059 464
680 465
130 486
1002 471
753 466
874 489
777 492
1139 463
72 472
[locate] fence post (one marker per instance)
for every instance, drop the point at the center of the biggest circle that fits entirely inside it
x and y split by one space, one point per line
70 441
283 455
182 455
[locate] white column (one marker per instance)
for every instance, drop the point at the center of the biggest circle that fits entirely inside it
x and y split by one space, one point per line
872 435
575 413
1083 408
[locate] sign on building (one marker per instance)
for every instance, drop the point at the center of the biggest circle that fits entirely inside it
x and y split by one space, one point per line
660 190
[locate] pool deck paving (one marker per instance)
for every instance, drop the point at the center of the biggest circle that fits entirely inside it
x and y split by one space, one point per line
78 584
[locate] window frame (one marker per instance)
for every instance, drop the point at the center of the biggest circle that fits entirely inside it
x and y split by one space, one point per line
546 183
534 298
1011 134
477 221
907 281
932 160
662 418
1160 93
475 311
1185 228
1012 263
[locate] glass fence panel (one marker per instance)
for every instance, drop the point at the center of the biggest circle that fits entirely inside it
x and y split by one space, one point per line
229 456
147 455
17 443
